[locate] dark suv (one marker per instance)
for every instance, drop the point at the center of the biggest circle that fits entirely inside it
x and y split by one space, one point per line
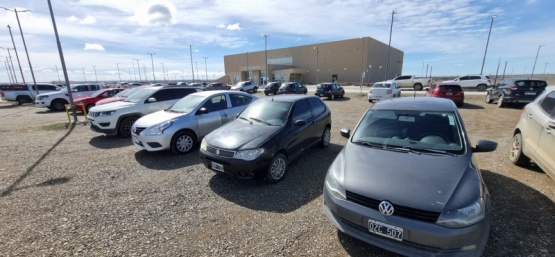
271 88
292 88
515 90
329 90
217 86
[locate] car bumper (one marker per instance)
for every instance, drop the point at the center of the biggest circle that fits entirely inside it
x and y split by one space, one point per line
379 97
234 167
41 104
152 143
518 99
419 238
102 126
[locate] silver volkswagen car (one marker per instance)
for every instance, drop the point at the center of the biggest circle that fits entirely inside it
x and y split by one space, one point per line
187 121
406 181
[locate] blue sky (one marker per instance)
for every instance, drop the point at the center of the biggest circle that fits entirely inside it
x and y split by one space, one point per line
448 36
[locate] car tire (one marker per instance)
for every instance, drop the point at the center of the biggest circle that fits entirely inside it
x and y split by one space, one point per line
332 96
481 88
255 89
488 98
342 95
276 169
58 105
370 101
500 101
325 139
23 99
305 91
417 87
124 128
266 93
182 142
516 155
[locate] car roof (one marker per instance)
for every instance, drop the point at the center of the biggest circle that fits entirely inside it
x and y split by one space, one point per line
416 103
288 97
446 83
515 79
215 92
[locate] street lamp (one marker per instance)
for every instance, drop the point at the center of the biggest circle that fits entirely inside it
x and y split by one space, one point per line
266 55
84 77
317 69
95 77
532 75
487 43
11 61
369 70
544 68
163 71
58 73
380 72
205 69
146 77
389 45
119 76
191 53
139 69
196 65
152 61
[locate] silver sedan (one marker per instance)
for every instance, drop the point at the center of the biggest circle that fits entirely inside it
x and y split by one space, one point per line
187 121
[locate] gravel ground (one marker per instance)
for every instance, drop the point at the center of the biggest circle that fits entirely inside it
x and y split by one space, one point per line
71 191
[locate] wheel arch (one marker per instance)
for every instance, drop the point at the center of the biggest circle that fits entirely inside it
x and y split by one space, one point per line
132 115
192 132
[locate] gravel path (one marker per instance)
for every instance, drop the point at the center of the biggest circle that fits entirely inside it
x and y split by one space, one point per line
76 192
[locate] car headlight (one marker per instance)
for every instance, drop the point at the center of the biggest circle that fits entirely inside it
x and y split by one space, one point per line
249 155
465 216
203 145
108 113
334 187
158 129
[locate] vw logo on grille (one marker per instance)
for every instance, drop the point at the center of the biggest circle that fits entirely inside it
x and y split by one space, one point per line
217 151
386 208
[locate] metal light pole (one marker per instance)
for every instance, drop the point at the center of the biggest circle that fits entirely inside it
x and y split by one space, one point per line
205 68
95 77
163 71
196 65
191 53
369 71
317 68
152 61
266 55
487 43
134 73
139 69
119 75
389 45
146 77
11 61
380 72
362 74
544 68
8 71
58 73
84 77
130 78
534 67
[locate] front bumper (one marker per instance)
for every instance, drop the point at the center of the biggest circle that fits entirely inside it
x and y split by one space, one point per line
419 238
41 104
152 143
102 126
235 167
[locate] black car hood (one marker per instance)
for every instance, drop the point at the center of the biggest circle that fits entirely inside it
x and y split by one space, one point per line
422 181
240 134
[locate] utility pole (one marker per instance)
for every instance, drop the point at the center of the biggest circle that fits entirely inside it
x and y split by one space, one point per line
152 61
389 46
95 77
11 61
119 76
58 73
138 69
191 53
205 69
164 71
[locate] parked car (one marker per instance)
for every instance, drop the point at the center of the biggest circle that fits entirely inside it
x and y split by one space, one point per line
330 90
119 96
411 81
292 88
245 86
217 86
191 84
534 135
118 117
25 93
187 121
384 90
89 101
447 90
515 91
269 134
478 82
57 100
271 88
406 181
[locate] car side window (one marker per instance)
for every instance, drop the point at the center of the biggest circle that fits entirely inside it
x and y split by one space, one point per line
302 111
317 106
548 104
216 103
464 78
164 95
239 100
93 87
184 92
475 77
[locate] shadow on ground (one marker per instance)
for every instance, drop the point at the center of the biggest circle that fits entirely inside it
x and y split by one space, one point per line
167 160
109 142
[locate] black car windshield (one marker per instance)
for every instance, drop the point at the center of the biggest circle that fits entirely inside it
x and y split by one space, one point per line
412 130
323 86
273 113
187 104
141 95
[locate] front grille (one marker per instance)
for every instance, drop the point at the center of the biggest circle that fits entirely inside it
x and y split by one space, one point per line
220 152
138 130
402 211
94 114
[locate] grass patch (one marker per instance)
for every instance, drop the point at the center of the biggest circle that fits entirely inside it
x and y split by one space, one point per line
54 126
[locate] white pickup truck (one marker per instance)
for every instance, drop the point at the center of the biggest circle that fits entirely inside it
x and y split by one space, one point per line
411 81
56 101
22 93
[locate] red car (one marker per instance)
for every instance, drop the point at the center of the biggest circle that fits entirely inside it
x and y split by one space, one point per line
447 90
90 101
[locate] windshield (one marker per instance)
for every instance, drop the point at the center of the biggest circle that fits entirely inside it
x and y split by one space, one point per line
187 104
140 95
268 112
411 130
127 92
97 93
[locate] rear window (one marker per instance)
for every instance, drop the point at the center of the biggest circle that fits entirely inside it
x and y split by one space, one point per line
285 86
381 85
531 83
323 86
450 87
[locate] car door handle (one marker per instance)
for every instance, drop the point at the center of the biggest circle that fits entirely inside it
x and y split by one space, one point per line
225 114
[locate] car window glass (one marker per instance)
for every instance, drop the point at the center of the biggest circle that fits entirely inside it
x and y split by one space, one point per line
464 78
93 87
475 77
302 111
180 93
216 103
548 104
239 100
317 106
164 95
273 112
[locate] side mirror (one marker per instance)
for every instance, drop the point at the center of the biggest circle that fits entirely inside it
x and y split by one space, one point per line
202 110
299 123
150 100
345 132
483 146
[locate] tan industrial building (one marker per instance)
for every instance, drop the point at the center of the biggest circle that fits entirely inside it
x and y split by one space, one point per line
350 61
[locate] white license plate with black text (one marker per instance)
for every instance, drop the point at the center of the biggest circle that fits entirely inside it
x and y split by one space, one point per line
529 93
217 166
386 230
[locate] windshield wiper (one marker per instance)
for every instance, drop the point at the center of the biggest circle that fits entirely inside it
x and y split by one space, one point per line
261 121
424 150
245 119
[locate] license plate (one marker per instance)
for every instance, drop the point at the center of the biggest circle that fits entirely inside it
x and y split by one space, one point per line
322 94
448 93
217 166
385 230
530 93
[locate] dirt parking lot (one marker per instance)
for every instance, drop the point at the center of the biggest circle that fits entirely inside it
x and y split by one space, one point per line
71 191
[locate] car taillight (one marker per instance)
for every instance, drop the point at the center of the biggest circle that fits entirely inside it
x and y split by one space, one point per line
512 88
2 94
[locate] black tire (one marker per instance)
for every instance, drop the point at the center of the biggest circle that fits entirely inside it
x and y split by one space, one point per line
22 99
305 91
276 169
417 87
255 89
325 139
516 155
370 101
481 88
58 105
500 101
124 128
332 96
342 95
266 93
183 142
488 98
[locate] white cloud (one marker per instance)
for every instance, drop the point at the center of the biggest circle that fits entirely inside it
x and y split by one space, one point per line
88 20
221 26
155 13
94 47
235 26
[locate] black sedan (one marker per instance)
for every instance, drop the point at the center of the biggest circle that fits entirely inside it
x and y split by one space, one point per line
269 134
330 90
292 88
217 86
271 88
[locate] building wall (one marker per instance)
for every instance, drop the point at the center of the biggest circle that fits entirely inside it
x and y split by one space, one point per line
345 59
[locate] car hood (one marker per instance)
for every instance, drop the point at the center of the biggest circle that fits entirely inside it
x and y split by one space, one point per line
240 135
422 181
82 98
110 100
112 106
158 117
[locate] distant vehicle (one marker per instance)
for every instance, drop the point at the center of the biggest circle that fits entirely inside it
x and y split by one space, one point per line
292 88
217 86
271 88
119 96
89 101
515 91
449 90
443 207
118 117
56 101
181 83
245 86
534 135
329 90
478 82
384 90
269 134
411 81
22 93
187 121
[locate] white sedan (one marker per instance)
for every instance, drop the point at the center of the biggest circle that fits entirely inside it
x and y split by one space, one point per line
384 90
